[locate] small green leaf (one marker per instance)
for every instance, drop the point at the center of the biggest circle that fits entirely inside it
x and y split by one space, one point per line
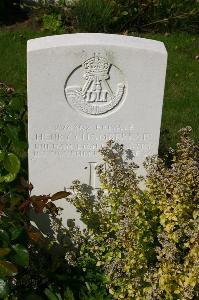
17 104
9 178
60 195
4 251
68 294
21 257
15 232
1 179
12 163
125 13
12 132
50 295
4 237
7 268
4 290
2 155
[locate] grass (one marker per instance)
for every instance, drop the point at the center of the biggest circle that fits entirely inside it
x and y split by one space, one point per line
181 101
13 58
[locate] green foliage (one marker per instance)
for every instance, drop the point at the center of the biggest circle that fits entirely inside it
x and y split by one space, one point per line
53 23
145 241
4 290
93 15
12 134
21 244
141 237
12 128
33 297
119 235
174 192
54 16
158 15
131 15
21 272
182 83
11 164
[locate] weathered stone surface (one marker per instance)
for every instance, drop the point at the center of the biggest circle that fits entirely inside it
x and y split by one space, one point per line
84 89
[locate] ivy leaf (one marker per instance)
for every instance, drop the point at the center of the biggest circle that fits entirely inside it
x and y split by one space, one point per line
8 178
1 179
22 255
12 163
51 295
68 294
12 132
4 237
4 251
15 232
4 290
2 155
7 268
17 104
60 195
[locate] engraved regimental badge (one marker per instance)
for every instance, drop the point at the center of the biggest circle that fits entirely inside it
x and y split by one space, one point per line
102 86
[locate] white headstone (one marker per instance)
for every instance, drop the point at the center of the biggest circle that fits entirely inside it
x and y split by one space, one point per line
85 89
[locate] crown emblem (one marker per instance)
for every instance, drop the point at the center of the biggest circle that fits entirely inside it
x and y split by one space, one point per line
95 96
96 66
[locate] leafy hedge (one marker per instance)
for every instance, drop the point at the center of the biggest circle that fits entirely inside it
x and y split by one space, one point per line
108 15
135 15
145 241
158 15
139 243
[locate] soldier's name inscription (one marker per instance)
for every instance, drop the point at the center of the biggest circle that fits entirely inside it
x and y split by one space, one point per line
79 140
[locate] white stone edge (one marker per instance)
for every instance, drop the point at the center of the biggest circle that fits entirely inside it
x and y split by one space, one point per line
84 39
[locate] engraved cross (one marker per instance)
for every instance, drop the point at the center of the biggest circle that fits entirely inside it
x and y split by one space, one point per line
92 174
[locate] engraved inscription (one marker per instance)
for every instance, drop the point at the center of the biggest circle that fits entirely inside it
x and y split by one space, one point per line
96 96
84 141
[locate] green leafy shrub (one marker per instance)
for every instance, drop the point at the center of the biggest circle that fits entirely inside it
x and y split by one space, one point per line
13 143
145 241
136 15
93 15
157 15
53 23
22 274
53 16
141 236
120 15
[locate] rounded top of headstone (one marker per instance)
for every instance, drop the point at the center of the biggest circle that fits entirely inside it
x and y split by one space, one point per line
95 39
